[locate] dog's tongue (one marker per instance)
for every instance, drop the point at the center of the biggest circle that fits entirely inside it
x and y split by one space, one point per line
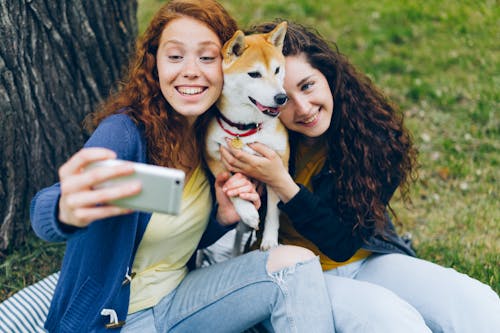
267 109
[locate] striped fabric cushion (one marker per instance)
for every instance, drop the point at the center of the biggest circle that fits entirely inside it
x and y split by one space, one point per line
26 310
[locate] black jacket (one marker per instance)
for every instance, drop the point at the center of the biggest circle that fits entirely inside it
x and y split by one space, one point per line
317 219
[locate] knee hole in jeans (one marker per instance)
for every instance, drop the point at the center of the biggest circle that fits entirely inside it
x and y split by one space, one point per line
286 256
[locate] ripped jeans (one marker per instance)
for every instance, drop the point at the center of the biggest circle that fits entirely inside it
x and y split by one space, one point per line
237 294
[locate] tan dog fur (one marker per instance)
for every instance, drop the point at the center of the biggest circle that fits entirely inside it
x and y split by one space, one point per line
253 68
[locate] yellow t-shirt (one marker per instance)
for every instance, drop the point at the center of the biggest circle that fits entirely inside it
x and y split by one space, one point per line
310 161
168 243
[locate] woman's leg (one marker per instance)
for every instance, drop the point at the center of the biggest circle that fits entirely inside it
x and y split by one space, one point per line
360 307
140 321
449 301
284 285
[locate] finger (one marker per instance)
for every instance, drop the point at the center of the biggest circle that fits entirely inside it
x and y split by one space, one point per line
262 149
252 197
85 216
239 154
93 197
82 158
228 159
234 191
225 154
228 166
90 178
235 166
236 180
239 184
247 161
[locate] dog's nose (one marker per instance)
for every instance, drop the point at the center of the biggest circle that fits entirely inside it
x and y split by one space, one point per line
280 99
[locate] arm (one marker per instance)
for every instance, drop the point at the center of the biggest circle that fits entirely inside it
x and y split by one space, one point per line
311 213
44 212
223 216
314 217
62 210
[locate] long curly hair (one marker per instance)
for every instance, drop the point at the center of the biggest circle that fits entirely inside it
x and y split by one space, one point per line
369 149
139 95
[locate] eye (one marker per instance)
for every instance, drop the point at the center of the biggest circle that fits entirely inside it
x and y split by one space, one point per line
277 71
207 59
254 75
175 58
306 86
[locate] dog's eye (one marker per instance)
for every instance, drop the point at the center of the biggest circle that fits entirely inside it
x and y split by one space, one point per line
254 75
277 70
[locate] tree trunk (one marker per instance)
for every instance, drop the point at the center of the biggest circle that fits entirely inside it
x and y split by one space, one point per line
58 60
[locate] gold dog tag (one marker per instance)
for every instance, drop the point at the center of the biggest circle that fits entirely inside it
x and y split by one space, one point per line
236 143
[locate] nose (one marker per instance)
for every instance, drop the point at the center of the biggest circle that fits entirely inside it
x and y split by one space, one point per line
190 69
300 105
280 99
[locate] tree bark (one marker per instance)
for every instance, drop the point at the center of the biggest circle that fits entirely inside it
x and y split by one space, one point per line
58 60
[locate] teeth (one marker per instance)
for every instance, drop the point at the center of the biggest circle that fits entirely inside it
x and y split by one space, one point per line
189 90
311 119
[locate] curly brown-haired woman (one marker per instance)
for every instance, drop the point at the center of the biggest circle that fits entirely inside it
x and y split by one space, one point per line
350 151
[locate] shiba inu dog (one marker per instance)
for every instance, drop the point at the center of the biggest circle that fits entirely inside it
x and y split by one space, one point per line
254 70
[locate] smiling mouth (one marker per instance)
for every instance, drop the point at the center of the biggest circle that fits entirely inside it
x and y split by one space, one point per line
267 110
311 119
190 90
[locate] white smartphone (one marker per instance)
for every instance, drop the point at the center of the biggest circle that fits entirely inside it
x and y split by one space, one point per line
161 187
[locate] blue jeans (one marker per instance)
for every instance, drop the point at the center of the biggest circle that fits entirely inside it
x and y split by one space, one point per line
398 293
237 294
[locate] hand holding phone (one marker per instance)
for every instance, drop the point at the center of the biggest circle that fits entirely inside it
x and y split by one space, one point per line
161 187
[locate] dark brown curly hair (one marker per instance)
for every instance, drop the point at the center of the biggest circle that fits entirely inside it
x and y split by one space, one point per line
369 149
140 96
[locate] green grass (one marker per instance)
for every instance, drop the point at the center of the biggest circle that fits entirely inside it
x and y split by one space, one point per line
439 60
28 264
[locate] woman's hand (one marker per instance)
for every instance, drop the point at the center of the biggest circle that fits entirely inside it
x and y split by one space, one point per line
80 204
267 168
227 186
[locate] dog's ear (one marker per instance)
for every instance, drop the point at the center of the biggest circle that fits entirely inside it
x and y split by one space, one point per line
277 35
234 47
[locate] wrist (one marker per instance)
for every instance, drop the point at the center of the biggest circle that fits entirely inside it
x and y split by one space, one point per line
286 188
222 221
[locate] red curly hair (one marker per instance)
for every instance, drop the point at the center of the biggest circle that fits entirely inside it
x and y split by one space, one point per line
140 96
370 150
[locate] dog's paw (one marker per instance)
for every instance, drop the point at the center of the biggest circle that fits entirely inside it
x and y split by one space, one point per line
268 244
250 218
247 212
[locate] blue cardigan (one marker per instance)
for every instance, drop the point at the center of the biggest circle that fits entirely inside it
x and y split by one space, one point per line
98 257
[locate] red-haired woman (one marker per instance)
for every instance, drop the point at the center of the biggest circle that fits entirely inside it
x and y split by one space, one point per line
350 151
128 270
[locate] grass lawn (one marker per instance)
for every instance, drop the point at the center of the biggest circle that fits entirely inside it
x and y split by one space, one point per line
439 61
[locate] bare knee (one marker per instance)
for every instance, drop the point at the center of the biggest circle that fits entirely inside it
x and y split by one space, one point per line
286 256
